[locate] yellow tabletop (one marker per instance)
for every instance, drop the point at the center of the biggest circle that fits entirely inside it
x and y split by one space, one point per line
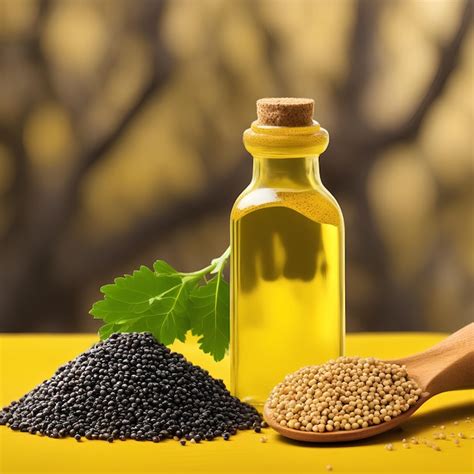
26 360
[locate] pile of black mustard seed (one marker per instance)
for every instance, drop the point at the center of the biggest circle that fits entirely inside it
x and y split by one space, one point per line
131 387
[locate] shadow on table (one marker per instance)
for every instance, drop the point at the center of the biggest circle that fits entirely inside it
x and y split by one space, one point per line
416 425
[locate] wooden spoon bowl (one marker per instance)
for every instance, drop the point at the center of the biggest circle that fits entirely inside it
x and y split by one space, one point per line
446 366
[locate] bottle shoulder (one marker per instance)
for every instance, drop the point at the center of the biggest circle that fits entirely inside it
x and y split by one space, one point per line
317 204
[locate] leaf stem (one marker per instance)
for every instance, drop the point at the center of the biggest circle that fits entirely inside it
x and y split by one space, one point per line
216 265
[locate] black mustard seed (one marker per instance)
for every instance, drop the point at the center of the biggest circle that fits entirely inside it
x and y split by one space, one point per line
130 387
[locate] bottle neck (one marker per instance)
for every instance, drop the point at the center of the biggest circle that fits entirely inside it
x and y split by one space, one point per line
289 173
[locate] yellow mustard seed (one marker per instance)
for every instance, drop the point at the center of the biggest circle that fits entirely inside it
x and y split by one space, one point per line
347 393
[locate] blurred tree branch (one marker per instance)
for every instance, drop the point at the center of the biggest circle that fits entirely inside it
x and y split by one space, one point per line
448 59
215 196
185 212
355 140
16 195
160 74
99 150
28 256
12 134
365 245
272 50
361 60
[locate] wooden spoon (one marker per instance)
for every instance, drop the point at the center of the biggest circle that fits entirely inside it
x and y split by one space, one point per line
446 366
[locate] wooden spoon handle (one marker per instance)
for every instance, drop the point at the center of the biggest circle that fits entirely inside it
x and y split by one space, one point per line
446 366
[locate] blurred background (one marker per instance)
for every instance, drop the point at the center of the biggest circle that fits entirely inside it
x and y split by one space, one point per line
120 143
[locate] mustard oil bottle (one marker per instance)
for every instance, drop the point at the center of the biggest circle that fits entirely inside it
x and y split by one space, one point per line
287 264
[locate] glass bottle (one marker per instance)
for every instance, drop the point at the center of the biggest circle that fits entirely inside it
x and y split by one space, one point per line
287 258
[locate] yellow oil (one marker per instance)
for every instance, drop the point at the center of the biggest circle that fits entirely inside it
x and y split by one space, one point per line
287 263
288 298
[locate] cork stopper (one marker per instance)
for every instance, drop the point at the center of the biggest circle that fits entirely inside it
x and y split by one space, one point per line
285 112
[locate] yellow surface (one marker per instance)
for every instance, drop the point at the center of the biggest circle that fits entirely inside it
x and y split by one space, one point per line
27 360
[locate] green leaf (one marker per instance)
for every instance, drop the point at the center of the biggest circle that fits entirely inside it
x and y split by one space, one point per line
210 316
168 304
145 301
163 268
106 330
